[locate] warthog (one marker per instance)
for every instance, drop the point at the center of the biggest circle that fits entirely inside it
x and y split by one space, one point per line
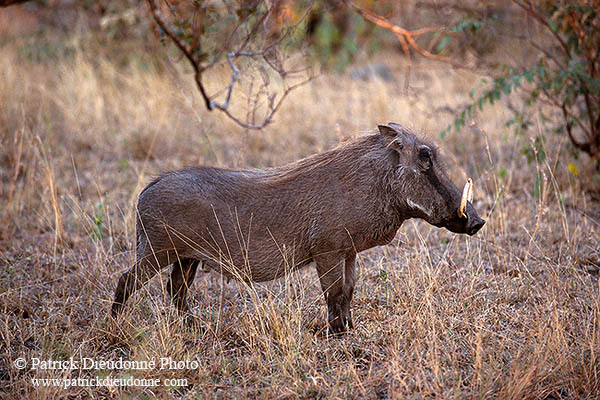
257 225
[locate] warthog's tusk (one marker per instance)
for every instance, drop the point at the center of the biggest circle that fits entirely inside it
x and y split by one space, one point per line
467 195
470 195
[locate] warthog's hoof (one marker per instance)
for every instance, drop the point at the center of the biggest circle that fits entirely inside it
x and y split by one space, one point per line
339 326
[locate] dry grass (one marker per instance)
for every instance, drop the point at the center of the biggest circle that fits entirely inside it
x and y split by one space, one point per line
511 313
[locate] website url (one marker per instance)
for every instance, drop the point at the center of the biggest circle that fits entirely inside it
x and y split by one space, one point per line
108 381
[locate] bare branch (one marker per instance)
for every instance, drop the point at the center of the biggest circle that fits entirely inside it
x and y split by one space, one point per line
582 146
528 7
243 49
164 25
406 37
272 109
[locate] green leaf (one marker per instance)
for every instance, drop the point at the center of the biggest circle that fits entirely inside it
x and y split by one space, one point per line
528 75
502 173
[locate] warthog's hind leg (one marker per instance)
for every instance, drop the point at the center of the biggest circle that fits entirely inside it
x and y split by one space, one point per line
136 276
181 279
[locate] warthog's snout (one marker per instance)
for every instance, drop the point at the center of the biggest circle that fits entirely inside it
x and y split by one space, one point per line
468 220
474 224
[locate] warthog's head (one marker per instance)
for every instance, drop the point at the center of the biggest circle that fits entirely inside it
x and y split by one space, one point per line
423 189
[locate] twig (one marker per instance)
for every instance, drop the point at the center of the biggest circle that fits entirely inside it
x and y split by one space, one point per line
231 56
528 7
164 25
406 37
582 146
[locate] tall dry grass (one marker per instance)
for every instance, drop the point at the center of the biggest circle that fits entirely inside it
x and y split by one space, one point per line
511 313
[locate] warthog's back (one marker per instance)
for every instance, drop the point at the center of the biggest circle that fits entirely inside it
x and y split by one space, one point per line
263 221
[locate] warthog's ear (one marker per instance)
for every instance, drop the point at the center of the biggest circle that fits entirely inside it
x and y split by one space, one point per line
394 132
397 127
387 130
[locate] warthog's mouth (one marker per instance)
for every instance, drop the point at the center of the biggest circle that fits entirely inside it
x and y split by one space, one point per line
469 224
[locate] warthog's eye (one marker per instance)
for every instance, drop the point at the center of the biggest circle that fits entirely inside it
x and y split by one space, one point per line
425 157
425 154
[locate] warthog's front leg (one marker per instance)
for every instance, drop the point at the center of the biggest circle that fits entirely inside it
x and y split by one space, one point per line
348 287
337 281
181 279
